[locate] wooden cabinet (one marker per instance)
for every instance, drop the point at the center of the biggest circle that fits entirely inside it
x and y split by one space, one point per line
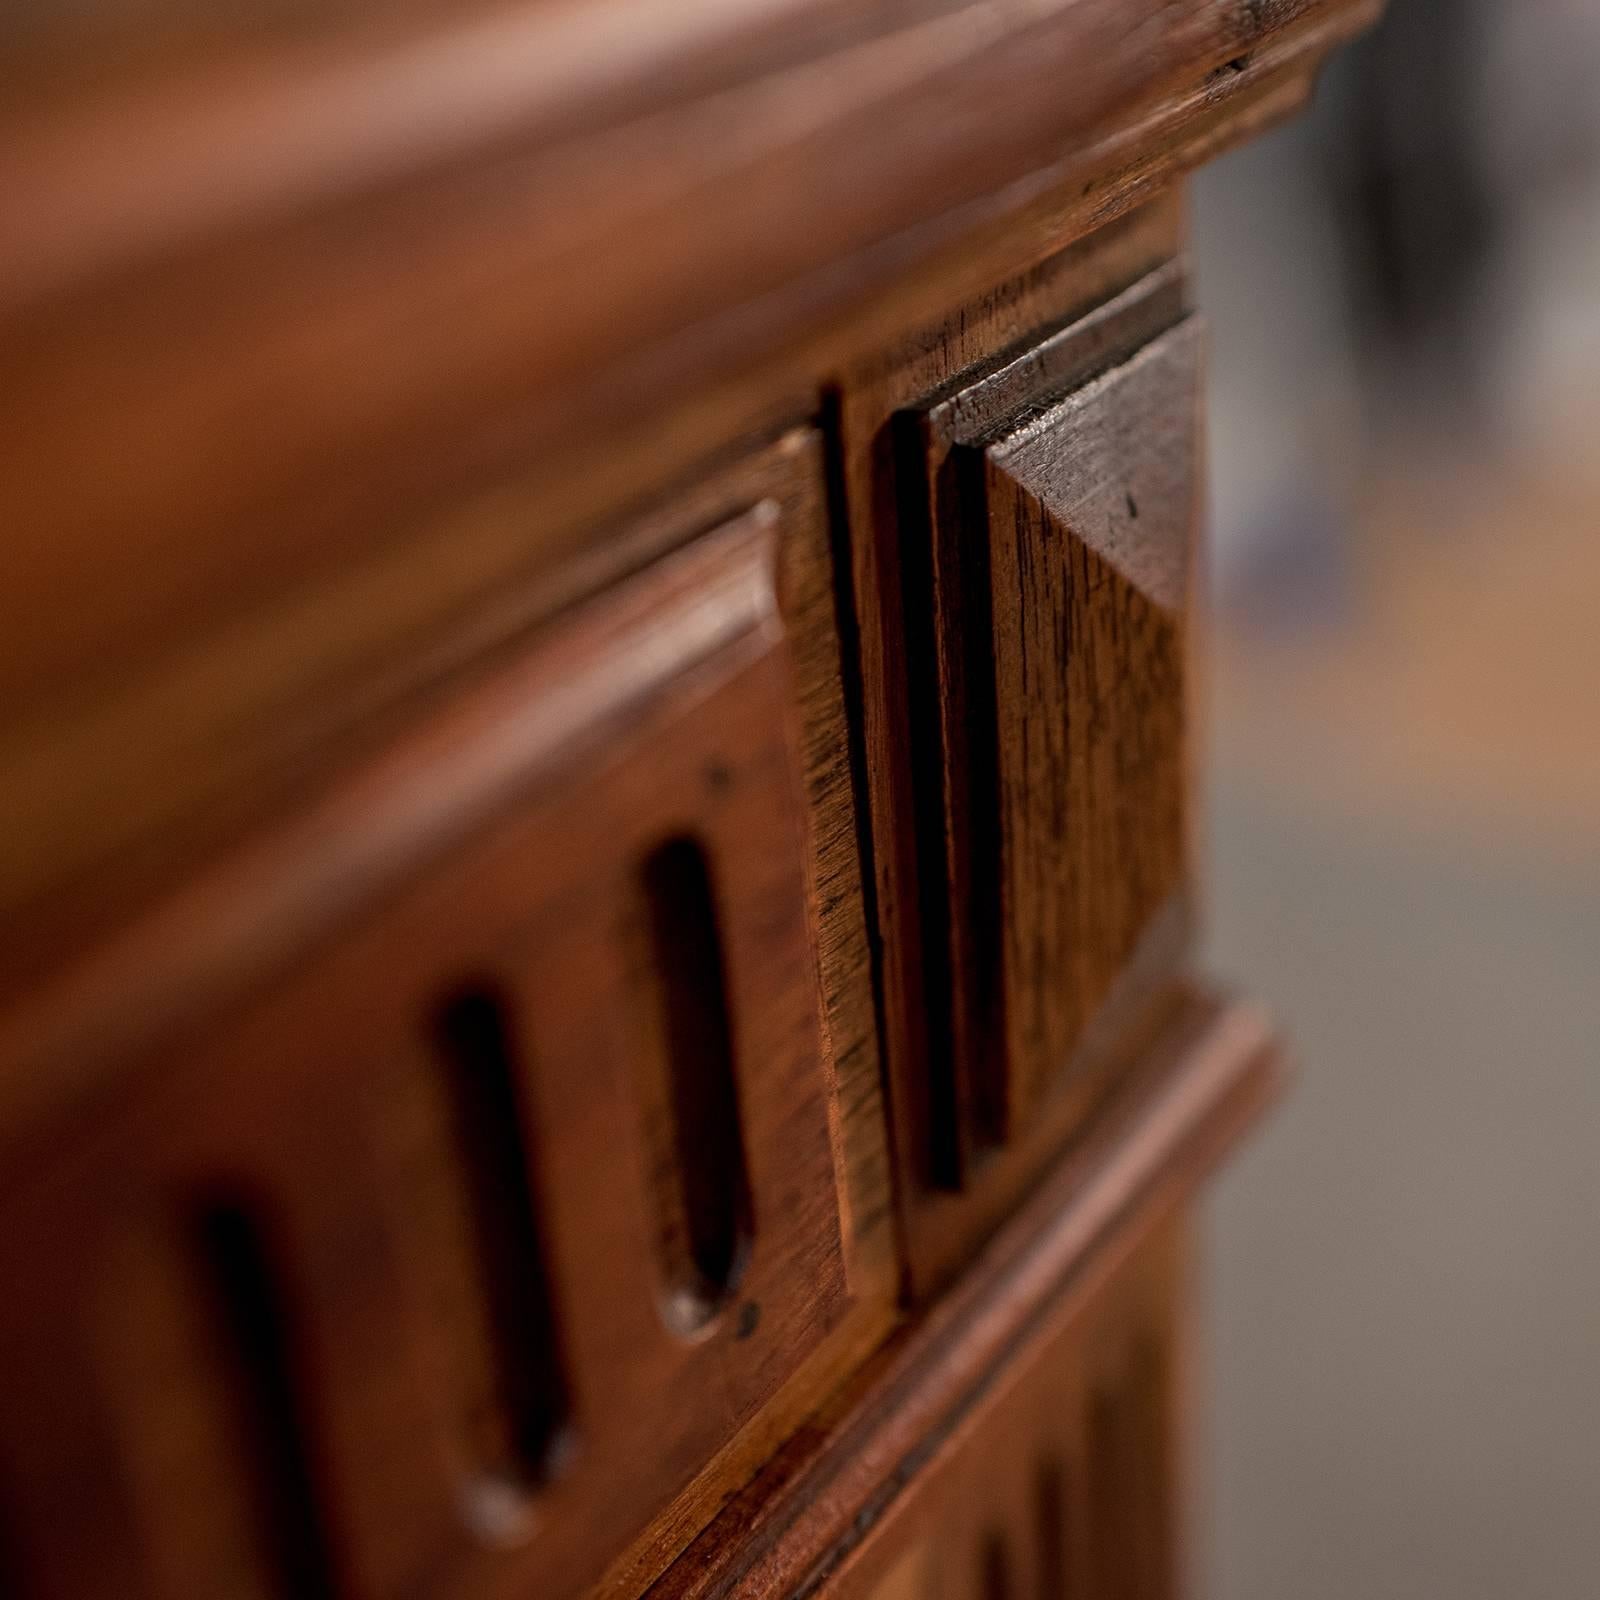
537 1182
595 867
1065 1478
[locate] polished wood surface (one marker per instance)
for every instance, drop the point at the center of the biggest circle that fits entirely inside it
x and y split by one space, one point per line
300 394
1203 1082
595 884
617 956
1025 715
1060 534
1066 1477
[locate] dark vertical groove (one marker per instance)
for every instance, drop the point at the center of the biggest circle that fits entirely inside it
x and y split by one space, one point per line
19 1577
926 742
847 624
979 770
247 1299
1112 1538
703 1093
1130 1480
994 1578
1050 1528
1154 1504
475 1043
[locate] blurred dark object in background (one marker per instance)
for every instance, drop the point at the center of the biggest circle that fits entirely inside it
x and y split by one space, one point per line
1467 135
1410 188
1405 294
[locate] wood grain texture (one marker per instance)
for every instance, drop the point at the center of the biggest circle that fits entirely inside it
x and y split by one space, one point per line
286 630
285 123
273 294
469 465
276 855
476 1362
1009 317
1203 1080
1061 532
1024 654
1064 1479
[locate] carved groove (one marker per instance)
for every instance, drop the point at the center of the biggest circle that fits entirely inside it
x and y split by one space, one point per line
699 1172
929 762
1130 1463
995 1570
976 818
529 1433
245 1294
1113 1461
1050 1528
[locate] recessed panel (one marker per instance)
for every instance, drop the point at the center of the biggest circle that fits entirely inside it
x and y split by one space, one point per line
523 1202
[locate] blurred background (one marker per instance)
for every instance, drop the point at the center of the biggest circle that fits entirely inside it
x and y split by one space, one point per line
1404 292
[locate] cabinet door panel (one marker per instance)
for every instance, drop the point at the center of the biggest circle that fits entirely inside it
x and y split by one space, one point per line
522 1209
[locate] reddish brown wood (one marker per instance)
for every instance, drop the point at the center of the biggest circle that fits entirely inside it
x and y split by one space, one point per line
1065 1478
284 120
1025 708
1204 1079
1058 516
414 1271
579 569
221 387
295 624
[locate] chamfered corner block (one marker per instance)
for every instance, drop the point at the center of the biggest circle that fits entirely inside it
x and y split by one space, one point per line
1034 519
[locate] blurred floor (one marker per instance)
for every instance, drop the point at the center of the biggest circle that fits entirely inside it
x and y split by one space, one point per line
1405 1316
1405 1313
1455 691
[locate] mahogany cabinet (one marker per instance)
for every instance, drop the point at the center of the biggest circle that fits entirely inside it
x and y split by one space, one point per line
596 868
